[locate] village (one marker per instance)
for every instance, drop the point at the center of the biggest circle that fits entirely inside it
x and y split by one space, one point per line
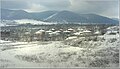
54 34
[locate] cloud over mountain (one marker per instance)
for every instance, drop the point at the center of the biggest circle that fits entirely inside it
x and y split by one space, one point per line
103 7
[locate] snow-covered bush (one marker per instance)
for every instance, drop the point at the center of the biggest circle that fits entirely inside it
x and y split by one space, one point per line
112 40
84 41
31 58
106 57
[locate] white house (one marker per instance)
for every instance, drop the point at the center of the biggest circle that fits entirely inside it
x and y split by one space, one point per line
40 35
87 32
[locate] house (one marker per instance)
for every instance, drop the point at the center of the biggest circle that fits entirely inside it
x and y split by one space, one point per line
54 35
40 35
78 33
111 32
97 32
70 29
26 37
53 29
87 32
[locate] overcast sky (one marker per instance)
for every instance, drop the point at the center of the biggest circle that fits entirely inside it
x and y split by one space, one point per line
109 8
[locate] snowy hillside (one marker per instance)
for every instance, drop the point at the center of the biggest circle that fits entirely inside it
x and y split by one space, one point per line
34 22
22 21
8 23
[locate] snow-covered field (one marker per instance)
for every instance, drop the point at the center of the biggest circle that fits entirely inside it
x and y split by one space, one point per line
22 21
34 22
102 51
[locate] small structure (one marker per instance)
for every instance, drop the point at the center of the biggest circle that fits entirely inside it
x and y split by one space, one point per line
61 29
80 29
27 33
97 32
27 36
40 31
87 32
58 31
54 35
72 37
70 29
66 34
66 31
111 32
49 31
40 35
78 33
53 29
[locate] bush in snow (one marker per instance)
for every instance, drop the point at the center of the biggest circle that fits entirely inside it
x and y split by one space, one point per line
112 40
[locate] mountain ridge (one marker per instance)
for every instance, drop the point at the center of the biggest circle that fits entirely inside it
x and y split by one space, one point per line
56 16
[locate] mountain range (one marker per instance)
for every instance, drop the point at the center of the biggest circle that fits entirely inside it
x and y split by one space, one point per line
56 16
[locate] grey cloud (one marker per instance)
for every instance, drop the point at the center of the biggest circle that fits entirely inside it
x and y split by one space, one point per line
29 4
103 7
9 4
53 4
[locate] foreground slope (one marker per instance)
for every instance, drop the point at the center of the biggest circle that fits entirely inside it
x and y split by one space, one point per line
90 52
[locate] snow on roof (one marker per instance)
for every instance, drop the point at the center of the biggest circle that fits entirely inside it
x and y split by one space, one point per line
111 31
27 32
108 32
87 31
40 31
106 36
78 33
49 31
58 31
55 33
80 29
61 29
70 29
73 37
52 29
97 32
66 31
112 27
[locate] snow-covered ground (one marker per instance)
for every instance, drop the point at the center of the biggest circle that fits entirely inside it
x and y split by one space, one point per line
23 21
34 22
77 52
